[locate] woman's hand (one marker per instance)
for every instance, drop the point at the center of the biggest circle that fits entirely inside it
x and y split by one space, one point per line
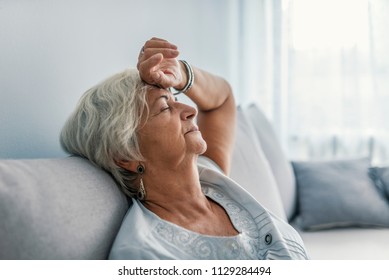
158 64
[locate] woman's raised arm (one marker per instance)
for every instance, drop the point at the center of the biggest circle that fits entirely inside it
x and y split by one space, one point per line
217 112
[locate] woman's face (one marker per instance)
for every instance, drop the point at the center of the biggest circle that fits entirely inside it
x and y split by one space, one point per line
169 135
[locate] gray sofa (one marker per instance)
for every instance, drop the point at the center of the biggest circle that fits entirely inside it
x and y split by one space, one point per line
66 208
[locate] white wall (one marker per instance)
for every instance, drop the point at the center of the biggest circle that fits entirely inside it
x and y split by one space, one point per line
52 51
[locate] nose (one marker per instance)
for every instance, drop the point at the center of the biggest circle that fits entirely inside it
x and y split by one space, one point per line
188 112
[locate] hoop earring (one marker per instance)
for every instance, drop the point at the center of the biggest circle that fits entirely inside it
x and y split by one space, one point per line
141 195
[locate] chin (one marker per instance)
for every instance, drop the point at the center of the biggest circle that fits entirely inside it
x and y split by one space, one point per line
199 147
202 148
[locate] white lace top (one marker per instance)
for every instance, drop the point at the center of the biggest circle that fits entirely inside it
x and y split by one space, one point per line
143 235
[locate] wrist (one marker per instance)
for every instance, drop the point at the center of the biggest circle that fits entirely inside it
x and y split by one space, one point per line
187 69
185 78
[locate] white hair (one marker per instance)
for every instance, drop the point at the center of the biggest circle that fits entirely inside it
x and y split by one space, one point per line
103 127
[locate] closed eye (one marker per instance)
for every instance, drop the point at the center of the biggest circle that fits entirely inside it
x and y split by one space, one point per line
162 102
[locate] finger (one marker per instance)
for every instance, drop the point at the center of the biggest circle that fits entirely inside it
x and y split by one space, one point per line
161 79
157 39
160 39
156 76
167 53
151 62
159 43
141 52
146 67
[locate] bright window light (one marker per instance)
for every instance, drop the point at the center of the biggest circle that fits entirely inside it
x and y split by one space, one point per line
329 24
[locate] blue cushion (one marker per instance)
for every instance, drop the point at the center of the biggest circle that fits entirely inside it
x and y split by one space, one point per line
339 193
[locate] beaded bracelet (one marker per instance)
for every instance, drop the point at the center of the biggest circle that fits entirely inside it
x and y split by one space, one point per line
189 84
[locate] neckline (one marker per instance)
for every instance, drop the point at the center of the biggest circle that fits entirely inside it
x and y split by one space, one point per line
170 224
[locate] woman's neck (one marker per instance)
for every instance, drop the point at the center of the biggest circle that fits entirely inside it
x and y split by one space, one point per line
175 193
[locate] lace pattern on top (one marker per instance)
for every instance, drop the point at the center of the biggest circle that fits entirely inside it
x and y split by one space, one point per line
199 246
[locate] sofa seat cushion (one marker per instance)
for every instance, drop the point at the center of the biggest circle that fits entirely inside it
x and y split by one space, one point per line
57 209
347 244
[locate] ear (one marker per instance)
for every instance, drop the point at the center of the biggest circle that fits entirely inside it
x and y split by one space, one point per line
128 165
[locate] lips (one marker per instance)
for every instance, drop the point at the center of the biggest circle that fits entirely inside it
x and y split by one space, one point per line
193 129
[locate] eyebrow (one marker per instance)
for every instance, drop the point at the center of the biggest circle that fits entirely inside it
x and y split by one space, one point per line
166 96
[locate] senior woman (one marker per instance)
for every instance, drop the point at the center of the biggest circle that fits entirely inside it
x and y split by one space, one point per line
132 126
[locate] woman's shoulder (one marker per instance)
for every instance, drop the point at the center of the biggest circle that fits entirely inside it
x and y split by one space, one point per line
131 242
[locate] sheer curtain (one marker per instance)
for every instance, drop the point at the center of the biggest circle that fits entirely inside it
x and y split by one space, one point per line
321 75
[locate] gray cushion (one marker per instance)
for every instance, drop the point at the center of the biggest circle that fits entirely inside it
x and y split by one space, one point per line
339 193
57 209
251 169
279 164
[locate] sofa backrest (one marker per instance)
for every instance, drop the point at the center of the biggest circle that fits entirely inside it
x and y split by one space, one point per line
63 208
251 169
280 165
